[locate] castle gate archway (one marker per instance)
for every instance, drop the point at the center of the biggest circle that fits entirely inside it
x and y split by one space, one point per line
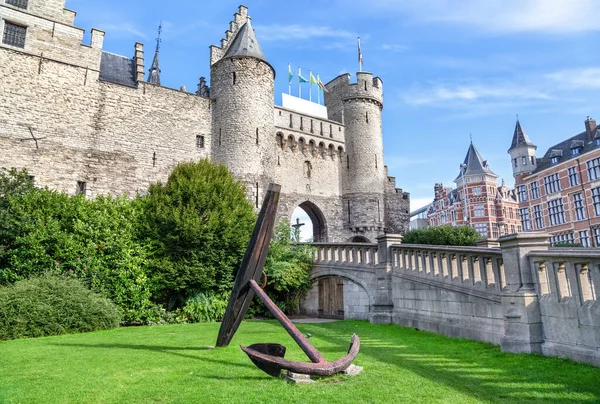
318 221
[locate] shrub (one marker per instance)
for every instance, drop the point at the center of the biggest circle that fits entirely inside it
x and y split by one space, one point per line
443 235
92 240
288 269
14 181
51 306
204 307
199 224
567 244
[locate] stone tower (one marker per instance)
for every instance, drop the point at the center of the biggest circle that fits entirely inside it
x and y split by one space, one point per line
358 106
242 89
522 152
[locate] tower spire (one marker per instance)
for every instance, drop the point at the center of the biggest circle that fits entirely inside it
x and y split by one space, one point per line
154 72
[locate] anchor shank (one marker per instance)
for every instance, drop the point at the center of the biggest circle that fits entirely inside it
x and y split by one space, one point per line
310 351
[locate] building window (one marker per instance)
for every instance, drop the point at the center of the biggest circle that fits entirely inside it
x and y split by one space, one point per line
477 191
17 3
524 160
596 200
575 151
556 212
552 184
532 160
522 190
584 237
579 210
568 238
512 229
495 230
537 216
593 167
200 141
478 211
554 160
516 162
525 219
482 229
510 213
573 177
14 35
596 236
535 190
81 188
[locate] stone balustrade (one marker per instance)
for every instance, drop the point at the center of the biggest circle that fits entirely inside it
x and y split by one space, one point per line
346 254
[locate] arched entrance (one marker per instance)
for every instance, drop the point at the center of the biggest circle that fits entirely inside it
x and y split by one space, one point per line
359 239
319 226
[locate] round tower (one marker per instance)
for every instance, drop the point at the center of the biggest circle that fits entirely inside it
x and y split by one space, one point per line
242 88
358 106
522 153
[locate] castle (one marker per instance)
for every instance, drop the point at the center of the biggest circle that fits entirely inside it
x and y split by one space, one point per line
83 120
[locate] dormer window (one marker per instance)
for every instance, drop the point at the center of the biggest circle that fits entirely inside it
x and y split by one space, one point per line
576 146
555 156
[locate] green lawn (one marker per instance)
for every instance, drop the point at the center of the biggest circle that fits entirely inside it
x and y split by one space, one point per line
170 364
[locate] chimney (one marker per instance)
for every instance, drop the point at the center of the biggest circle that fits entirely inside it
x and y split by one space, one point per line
438 190
590 128
139 62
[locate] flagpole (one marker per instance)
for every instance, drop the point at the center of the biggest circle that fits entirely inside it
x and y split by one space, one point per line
289 79
318 89
359 57
299 82
310 85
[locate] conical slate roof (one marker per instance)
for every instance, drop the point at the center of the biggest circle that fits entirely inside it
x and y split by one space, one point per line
154 75
245 44
474 164
520 137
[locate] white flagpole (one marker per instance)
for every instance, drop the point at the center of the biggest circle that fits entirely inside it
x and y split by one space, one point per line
359 56
318 89
299 82
289 79
310 85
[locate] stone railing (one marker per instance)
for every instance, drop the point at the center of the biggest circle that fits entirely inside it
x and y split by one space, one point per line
346 254
473 267
566 274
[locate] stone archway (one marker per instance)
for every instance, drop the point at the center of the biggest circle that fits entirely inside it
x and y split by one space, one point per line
359 239
318 221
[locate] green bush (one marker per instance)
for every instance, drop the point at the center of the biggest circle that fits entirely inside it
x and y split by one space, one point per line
51 306
14 181
92 240
567 244
199 224
288 269
204 307
443 235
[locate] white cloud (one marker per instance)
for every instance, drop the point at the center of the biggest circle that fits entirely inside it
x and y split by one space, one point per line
123 30
393 47
460 95
502 16
297 32
395 162
576 78
417 203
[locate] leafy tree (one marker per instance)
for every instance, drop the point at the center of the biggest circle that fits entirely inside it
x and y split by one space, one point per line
45 231
14 182
442 235
287 268
199 224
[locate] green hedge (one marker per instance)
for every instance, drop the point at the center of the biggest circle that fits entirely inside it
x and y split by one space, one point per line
443 235
48 305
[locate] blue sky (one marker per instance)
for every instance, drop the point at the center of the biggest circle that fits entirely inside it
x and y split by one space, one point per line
450 68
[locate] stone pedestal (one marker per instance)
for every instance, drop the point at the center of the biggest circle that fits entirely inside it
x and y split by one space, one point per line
523 327
382 306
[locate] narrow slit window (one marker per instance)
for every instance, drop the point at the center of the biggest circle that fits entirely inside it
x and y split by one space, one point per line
200 141
81 188
233 78
154 159
256 135
219 136
347 162
348 211
291 121
367 117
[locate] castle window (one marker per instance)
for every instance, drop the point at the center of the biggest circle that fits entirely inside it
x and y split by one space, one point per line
256 135
347 162
233 78
524 160
321 128
516 162
307 169
532 160
200 141
301 123
367 117
291 121
330 130
81 188
14 35
17 3
219 136
311 126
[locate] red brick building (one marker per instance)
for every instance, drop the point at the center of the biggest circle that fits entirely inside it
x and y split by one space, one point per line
560 192
490 209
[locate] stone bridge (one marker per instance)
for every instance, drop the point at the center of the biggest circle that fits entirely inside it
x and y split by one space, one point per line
521 295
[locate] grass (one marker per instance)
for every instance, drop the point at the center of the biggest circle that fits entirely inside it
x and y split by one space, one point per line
170 364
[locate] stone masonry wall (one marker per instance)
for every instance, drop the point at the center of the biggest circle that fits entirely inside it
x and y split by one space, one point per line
116 139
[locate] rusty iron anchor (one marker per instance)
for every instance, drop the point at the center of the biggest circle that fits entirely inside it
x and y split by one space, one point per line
269 357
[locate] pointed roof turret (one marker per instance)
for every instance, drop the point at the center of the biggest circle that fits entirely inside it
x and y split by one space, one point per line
520 137
154 72
245 44
474 164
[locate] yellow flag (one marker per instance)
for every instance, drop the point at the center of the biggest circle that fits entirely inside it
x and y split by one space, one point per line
313 80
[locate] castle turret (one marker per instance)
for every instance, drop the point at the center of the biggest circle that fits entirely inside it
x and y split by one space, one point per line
242 87
522 152
358 106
